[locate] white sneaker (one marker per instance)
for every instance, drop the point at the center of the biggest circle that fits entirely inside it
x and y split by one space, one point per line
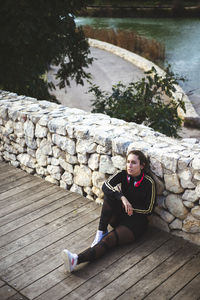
70 260
98 237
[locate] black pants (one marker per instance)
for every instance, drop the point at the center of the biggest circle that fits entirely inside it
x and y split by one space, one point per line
112 213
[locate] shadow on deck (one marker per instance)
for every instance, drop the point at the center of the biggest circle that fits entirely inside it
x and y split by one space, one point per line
39 219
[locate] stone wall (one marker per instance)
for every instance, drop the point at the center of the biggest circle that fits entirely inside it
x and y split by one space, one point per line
78 151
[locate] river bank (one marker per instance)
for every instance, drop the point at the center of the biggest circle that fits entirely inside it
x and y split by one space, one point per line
111 11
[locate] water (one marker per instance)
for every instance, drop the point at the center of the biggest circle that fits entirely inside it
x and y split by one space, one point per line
181 38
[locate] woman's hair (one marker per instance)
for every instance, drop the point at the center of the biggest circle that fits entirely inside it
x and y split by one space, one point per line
142 158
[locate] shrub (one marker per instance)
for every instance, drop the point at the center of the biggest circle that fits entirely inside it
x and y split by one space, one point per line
143 102
130 40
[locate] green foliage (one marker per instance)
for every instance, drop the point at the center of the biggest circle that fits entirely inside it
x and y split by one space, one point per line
142 102
36 34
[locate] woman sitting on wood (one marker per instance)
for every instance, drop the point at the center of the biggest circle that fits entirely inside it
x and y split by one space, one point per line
125 210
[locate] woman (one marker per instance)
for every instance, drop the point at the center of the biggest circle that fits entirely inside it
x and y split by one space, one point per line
125 210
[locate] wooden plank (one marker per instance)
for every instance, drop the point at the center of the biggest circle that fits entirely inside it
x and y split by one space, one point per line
114 286
31 222
11 176
41 285
45 225
83 273
12 185
2 163
26 196
178 280
22 192
48 263
18 296
190 291
20 188
52 196
149 282
5 166
12 181
32 195
42 207
80 280
9 293
37 280
5 173
2 283
6 292
22 255
32 265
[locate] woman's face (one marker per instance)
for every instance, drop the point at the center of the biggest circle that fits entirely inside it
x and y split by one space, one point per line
133 165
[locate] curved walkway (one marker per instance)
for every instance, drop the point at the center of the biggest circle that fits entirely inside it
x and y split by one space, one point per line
106 70
190 116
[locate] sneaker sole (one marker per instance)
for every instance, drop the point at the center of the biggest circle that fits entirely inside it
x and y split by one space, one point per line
65 257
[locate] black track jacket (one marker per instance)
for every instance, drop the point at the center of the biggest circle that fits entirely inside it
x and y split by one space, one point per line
142 198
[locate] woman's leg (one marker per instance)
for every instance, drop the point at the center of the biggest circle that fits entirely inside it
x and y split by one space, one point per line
119 236
110 213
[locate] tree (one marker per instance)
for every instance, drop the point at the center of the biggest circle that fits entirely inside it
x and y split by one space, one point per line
143 102
36 34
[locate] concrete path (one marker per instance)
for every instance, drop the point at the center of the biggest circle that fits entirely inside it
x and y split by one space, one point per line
108 69
195 99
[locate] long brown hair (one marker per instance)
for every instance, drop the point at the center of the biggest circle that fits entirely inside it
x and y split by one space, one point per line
142 158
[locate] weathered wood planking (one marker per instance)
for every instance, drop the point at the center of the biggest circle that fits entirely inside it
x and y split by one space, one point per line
160 273
19 188
39 219
16 201
8 293
11 177
10 173
178 280
190 290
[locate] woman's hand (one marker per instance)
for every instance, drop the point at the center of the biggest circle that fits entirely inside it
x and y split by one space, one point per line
128 207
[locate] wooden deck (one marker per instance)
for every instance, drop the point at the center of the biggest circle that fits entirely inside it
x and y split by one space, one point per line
39 219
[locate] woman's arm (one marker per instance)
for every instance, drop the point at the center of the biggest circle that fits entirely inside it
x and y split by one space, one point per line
110 190
127 206
109 186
